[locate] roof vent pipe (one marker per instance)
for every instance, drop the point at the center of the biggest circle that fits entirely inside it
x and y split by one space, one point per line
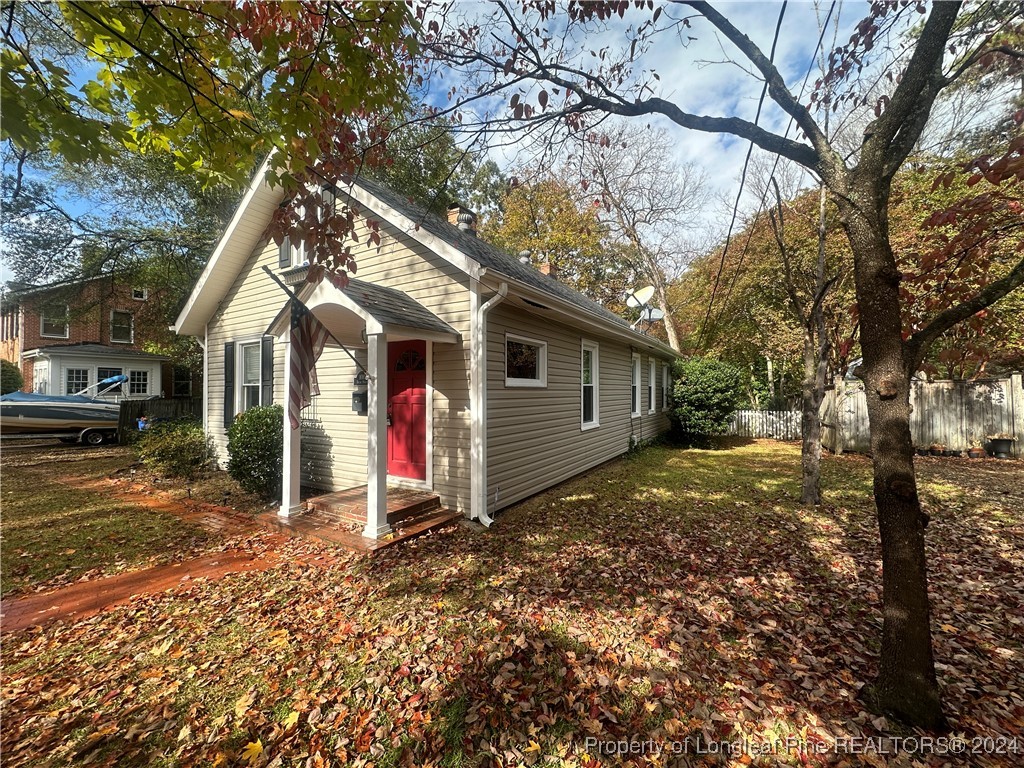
524 257
463 218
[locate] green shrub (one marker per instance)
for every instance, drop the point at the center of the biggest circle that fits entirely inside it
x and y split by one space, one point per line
705 395
10 377
174 449
255 444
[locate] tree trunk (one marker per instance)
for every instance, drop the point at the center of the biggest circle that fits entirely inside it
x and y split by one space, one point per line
812 390
906 686
661 297
811 396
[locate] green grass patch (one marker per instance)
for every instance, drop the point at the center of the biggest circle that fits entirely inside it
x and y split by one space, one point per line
54 531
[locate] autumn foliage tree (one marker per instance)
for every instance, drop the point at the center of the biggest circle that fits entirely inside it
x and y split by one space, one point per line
531 53
215 86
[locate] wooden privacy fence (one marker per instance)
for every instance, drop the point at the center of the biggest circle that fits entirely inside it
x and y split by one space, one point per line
162 409
949 412
775 425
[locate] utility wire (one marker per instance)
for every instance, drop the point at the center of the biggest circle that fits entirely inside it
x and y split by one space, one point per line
743 178
775 165
764 195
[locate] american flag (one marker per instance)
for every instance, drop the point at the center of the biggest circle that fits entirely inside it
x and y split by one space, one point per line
308 339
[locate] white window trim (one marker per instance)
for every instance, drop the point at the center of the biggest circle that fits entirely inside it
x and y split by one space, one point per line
67 324
143 297
542 362
634 385
131 327
666 383
596 377
652 382
149 383
89 376
240 369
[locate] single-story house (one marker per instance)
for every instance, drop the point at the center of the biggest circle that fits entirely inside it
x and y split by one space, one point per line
65 369
460 370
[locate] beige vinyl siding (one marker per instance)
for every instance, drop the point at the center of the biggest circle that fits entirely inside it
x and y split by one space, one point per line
534 435
334 437
250 305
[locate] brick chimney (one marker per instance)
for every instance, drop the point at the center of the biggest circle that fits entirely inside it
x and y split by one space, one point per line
463 218
547 268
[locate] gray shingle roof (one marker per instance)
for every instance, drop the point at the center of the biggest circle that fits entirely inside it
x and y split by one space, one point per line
86 348
484 253
389 306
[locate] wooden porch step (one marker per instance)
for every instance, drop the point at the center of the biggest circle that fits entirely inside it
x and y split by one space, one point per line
348 507
310 525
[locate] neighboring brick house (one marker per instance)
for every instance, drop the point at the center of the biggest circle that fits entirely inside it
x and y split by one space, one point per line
67 336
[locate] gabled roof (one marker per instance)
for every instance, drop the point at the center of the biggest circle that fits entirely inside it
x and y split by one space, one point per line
465 251
389 307
487 255
20 290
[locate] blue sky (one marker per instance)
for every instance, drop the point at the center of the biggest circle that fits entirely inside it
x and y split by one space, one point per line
697 78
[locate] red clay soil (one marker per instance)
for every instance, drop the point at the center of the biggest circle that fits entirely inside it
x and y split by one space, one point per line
87 598
222 520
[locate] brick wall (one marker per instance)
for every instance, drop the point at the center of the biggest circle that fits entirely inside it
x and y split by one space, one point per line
89 313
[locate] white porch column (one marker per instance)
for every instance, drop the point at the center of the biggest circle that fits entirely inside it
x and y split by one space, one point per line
291 501
377 438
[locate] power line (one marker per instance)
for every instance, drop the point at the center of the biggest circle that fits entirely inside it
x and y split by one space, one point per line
764 195
775 165
743 178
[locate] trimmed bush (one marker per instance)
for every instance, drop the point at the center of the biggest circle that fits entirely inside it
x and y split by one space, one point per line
10 377
705 395
255 444
174 449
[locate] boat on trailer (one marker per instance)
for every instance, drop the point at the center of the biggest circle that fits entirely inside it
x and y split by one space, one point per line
73 417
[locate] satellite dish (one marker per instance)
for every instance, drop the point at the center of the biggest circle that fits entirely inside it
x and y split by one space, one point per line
653 313
639 297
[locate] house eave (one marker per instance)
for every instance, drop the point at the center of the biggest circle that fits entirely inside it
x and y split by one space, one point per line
208 292
578 313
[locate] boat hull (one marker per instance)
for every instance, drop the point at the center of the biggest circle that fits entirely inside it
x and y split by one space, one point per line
55 417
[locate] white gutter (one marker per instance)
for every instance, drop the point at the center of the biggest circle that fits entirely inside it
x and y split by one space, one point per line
590 318
478 399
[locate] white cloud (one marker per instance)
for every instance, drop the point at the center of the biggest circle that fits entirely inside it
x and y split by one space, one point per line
697 76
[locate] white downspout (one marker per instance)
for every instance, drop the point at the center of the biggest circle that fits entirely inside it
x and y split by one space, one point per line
478 343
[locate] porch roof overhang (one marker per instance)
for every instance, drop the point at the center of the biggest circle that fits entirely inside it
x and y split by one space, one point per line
382 309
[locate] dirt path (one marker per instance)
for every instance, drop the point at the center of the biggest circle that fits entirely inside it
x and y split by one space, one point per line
87 598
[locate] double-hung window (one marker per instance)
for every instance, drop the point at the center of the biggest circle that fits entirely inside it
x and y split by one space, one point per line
181 382
122 327
666 386
54 321
526 362
249 380
634 387
75 380
138 382
590 391
106 373
651 381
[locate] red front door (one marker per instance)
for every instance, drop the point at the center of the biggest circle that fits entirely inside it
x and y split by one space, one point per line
407 409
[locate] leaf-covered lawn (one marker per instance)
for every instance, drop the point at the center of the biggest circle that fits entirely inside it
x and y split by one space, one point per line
56 531
674 595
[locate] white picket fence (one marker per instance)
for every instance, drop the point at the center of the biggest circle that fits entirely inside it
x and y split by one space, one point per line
953 413
774 425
